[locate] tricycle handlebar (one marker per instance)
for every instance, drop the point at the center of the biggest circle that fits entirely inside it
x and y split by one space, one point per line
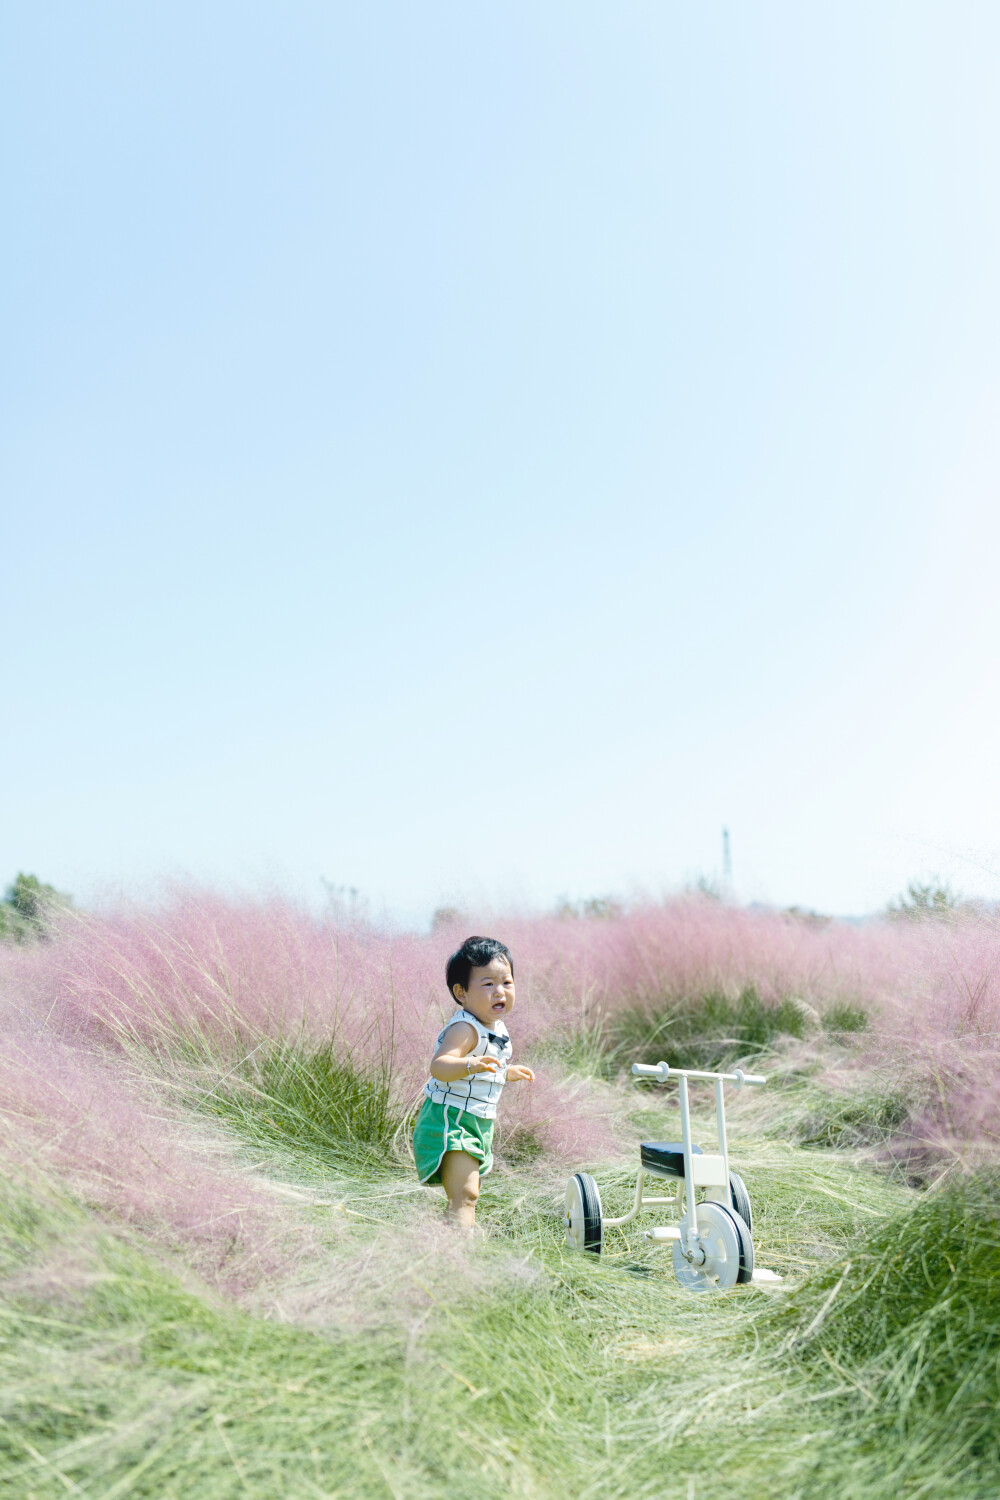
663 1071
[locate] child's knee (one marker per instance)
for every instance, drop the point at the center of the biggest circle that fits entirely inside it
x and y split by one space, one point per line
465 1192
469 1192
461 1179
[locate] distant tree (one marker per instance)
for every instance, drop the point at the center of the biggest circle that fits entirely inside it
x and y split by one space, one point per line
604 908
25 909
601 908
446 916
808 917
935 899
344 903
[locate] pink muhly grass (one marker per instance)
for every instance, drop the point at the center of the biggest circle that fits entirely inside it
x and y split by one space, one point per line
75 1118
677 951
231 970
934 1041
205 983
956 1119
941 1030
566 1120
207 980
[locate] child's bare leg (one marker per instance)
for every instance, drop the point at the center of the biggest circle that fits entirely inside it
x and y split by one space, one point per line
460 1177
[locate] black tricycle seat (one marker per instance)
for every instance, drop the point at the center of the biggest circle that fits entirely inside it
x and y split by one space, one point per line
664 1158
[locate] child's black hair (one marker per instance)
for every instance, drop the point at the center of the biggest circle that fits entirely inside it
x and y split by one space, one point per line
475 953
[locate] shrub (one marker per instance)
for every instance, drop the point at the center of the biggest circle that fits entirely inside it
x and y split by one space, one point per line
710 1031
858 1118
310 1100
845 1017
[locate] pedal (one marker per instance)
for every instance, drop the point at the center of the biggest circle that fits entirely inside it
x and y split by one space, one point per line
663 1236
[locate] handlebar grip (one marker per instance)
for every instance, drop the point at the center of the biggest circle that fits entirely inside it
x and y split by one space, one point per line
753 1078
650 1070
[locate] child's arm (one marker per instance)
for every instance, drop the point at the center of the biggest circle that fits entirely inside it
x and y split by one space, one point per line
451 1061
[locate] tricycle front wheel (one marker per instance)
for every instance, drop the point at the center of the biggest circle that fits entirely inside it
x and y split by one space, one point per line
741 1199
728 1250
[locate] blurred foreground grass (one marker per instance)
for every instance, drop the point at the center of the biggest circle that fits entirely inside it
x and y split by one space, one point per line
530 1370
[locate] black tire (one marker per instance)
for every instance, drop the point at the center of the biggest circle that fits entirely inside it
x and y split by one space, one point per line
740 1199
590 1203
746 1248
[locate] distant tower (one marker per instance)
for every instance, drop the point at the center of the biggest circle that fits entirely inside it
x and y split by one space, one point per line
727 862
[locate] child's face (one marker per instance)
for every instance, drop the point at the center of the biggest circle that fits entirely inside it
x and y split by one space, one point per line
490 995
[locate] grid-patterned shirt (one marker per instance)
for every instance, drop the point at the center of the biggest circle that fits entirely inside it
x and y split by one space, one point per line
477 1095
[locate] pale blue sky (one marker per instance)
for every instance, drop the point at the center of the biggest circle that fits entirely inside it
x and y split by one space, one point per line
476 452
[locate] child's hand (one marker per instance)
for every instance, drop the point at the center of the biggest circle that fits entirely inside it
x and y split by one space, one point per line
518 1074
482 1065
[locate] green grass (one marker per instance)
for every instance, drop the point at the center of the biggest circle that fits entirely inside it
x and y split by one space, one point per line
845 1017
910 1323
433 1366
308 1100
534 1371
703 1031
869 1117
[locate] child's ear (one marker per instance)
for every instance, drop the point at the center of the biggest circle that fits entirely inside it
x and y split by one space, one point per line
458 991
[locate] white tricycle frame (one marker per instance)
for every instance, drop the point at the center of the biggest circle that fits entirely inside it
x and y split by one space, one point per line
712 1240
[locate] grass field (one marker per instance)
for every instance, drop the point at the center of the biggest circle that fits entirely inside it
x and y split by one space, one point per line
506 1361
220 1279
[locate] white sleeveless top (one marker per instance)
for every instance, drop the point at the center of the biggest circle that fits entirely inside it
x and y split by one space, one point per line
477 1095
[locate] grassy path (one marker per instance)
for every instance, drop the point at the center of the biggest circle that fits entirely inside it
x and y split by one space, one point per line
509 1363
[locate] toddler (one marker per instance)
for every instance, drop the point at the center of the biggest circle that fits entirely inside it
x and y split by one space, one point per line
453 1136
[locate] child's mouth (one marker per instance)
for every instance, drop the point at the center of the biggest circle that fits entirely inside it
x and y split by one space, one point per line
499 1005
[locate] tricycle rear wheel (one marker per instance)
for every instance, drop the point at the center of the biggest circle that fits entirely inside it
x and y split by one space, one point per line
584 1229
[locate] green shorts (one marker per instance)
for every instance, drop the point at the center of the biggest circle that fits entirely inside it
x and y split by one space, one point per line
445 1127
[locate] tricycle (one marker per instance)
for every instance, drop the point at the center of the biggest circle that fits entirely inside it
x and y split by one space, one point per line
712 1236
